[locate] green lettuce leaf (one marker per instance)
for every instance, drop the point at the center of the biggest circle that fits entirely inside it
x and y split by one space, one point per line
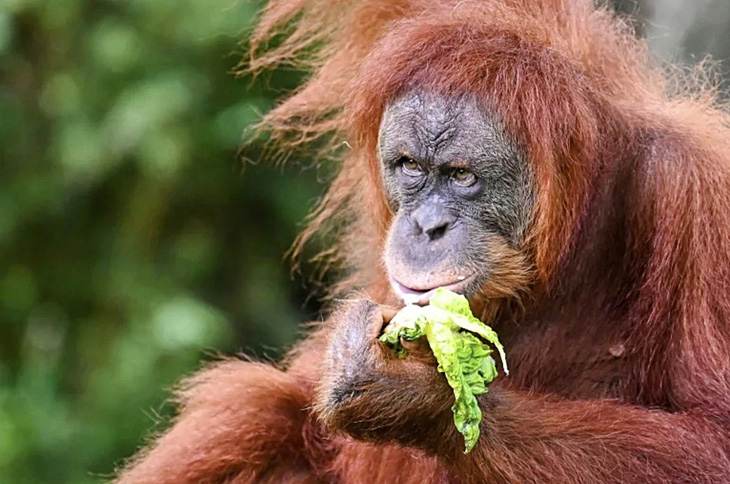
450 328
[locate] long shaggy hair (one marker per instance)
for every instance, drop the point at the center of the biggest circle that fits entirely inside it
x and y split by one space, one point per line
629 239
610 135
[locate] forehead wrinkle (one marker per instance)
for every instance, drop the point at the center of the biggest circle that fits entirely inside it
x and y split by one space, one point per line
444 129
436 124
435 137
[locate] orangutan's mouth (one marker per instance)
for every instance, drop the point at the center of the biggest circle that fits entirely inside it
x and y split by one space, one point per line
421 295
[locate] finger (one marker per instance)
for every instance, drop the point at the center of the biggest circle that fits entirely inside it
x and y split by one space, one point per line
419 349
362 323
376 320
388 313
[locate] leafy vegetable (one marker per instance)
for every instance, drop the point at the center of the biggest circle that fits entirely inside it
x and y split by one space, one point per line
450 328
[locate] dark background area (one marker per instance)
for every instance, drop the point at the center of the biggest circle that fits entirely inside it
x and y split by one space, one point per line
134 241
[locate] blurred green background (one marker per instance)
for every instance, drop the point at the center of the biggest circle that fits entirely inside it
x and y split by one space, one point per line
134 241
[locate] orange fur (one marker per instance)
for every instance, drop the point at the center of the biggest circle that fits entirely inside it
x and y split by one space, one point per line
239 422
620 368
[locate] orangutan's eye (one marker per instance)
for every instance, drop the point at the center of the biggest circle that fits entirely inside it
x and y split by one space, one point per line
463 177
411 167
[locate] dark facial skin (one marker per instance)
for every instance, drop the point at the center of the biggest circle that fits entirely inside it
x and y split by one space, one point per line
459 188
460 192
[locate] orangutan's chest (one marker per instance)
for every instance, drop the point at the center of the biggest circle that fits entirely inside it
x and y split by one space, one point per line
571 364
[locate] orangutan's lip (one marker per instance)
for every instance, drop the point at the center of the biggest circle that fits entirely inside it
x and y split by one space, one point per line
421 296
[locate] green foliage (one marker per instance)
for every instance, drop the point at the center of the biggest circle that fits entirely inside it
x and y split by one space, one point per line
448 323
133 241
